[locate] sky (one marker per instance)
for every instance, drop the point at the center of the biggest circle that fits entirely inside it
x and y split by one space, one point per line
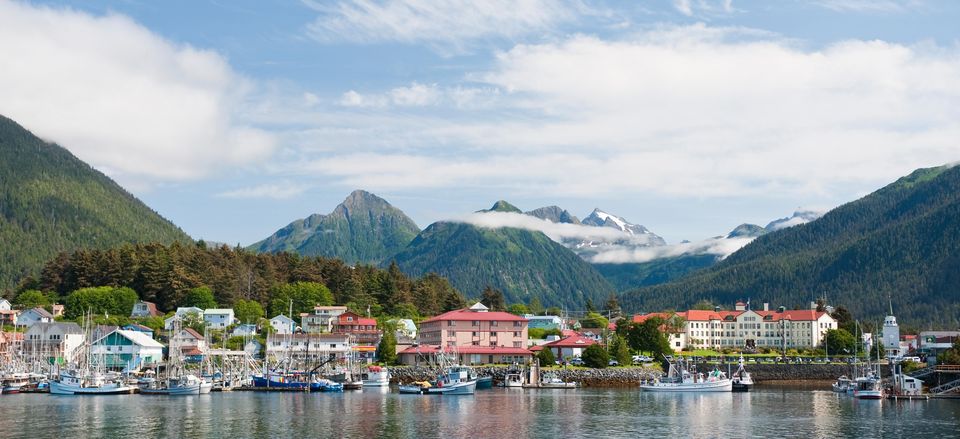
234 118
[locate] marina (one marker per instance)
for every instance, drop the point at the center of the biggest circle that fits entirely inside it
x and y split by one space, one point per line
768 410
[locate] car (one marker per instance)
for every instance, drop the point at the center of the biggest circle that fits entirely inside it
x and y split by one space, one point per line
613 362
640 359
576 362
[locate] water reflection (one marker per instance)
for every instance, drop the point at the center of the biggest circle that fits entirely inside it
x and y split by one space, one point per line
767 412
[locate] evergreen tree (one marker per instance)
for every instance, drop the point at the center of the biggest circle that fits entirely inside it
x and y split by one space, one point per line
536 308
619 350
546 357
493 299
595 356
387 349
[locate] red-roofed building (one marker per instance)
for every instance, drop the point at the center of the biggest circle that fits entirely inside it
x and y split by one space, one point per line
475 326
746 328
144 309
569 347
468 355
362 330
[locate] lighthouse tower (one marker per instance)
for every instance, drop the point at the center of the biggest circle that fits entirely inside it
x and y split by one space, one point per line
891 335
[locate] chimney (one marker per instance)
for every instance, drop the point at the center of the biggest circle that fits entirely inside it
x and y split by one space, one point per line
766 306
740 306
781 309
813 305
716 309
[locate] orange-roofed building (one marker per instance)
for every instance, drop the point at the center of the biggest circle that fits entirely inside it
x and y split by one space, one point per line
475 326
746 328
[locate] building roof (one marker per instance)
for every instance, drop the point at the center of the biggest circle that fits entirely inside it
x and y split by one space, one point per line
309 336
640 318
483 350
188 309
193 333
574 341
151 308
283 317
218 311
468 315
138 327
329 308
342 319
64 327
40 312
134 336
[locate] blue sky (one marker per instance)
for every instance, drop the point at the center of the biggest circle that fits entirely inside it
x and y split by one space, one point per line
233 118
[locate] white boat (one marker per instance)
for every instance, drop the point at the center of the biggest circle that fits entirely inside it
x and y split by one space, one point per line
552 381
742 381
183 385
842 385
513 380
680 379
868 387
91 384
376 376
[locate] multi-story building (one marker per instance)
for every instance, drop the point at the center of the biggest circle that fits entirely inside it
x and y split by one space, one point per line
321 319
475 326
127 350
218 318
362 330
283 324
45 341
307 347
746 328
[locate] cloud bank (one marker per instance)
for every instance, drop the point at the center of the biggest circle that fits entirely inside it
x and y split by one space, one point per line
136 106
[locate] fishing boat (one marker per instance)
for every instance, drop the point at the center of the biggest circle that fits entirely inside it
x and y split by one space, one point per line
325 385
455 380
683 378
513 380
742 381
182 385
376 376
843 384
12 383
277 380
87 383
868 387
550 380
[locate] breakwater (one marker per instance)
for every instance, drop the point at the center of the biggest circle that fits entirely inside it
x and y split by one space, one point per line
611 377
792 372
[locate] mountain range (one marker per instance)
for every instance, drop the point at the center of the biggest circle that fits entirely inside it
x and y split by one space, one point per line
899 245
50 201
363 229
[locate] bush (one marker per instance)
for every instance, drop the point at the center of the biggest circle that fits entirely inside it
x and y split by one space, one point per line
100 301
546 357
595 356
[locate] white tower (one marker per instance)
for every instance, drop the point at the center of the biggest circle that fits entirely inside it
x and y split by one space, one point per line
891 335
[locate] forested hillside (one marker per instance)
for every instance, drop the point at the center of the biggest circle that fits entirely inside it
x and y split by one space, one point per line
902 241
50 201
167 274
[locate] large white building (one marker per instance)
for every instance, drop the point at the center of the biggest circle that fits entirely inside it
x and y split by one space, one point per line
745 328
306 346
891 336
48 341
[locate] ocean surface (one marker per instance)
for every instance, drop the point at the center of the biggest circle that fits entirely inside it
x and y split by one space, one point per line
768 411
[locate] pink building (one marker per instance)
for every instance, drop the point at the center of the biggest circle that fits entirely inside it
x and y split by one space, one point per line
475 326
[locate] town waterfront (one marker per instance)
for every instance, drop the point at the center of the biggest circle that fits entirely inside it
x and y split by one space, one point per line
768 411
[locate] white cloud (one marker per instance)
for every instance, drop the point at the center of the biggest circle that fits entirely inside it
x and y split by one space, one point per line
685 111
683 6
278 191
447 25
422 95
869 5
703 7
121 98
556 231
721 247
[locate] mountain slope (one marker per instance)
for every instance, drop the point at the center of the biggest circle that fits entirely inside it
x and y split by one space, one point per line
599 218
554 214
50 201
902 240
364 228
521 263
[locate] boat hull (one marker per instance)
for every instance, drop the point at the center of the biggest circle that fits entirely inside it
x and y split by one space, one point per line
376 383
263 382
455 389
868 394
716 386
61 389
485 383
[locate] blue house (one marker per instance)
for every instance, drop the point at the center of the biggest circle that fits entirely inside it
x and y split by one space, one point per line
139 328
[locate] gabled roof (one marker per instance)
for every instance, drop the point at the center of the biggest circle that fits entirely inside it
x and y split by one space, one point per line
135 336
193 333
40 312
357 319
151 308
575 341
138 327
64 327
283 317
468 315
218 311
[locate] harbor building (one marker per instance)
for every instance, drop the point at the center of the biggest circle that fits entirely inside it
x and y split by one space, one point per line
127 350
746 328
306 347
321 319
477 334
47 341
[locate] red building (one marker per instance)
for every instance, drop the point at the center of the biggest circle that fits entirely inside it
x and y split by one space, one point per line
362 330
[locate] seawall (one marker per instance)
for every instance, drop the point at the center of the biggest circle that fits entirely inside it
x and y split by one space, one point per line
611 377
793 372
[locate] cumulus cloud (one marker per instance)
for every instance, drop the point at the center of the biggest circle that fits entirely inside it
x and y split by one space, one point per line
448 25
556 231
278 191
679 111
422 95
129 102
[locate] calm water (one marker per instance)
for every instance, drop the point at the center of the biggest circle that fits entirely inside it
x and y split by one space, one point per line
766 412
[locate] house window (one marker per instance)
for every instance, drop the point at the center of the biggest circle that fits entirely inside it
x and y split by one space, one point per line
517 324
451 333
517 344
494 323
333 345
476 343
475 323
493 335
516 334
493 343
475 334
450 323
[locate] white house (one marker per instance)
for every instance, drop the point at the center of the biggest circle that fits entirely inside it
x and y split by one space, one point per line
308 346
218 318
188 342
4 305
127 350
321 319
283 324
44 341
34 315
183 313
406 329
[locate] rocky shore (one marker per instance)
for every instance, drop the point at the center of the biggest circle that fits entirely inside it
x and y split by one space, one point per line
793 372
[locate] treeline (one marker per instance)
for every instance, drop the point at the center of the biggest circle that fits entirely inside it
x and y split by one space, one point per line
902 242
169 275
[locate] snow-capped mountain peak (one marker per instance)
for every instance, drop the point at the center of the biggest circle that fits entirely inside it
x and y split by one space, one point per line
600 218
